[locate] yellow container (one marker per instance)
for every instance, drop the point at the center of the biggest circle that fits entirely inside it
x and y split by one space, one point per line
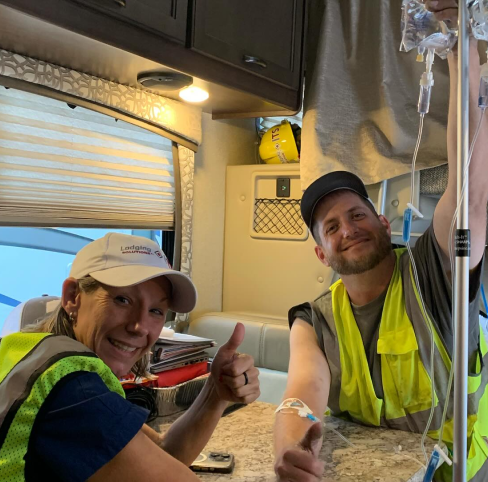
278 145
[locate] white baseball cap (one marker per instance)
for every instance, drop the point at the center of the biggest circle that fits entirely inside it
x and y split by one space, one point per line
124 260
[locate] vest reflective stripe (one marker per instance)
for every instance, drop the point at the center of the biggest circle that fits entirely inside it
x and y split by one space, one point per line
30 366
406 382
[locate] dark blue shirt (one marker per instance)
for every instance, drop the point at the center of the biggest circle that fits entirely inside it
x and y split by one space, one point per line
81 426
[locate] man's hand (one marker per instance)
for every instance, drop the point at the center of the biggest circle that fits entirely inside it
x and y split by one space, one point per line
301 463
236 378
443 9
447 11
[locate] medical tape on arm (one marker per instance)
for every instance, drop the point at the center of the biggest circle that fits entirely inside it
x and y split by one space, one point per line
291 405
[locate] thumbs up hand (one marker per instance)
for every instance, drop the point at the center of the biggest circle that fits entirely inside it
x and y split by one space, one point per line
311 441
235 376
300 463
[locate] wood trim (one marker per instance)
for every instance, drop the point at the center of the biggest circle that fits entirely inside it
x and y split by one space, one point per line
278 113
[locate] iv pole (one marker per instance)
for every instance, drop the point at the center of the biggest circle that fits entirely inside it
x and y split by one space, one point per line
462 253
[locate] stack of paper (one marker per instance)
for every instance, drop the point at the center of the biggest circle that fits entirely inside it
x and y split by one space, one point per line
179 350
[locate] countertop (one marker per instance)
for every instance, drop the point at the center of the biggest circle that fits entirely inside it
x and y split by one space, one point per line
378 455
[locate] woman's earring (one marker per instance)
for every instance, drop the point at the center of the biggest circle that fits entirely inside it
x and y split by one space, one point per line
72 318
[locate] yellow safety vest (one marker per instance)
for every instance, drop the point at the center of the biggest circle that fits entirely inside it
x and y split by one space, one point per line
30 366
405 379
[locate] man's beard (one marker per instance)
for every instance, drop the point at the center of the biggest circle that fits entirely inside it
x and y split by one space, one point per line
382 249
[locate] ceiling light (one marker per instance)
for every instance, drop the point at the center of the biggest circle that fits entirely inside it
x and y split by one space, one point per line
164 81
193 94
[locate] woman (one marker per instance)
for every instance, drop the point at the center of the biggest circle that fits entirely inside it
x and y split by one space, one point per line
63 416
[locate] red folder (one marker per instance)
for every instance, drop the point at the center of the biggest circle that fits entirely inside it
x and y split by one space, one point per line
170 378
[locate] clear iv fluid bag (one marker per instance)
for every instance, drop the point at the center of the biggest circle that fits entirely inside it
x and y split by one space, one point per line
421 30
478 16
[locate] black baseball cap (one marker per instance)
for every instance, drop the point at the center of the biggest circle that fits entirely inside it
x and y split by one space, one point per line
333 181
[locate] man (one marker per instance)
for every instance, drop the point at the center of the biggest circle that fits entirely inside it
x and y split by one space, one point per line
363 347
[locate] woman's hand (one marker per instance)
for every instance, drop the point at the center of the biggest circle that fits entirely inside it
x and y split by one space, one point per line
235 377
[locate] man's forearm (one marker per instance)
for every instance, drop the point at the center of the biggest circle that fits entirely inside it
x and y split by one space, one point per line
478 194
190 433
289 429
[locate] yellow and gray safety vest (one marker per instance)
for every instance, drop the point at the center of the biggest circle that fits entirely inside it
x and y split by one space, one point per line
407 392
30 366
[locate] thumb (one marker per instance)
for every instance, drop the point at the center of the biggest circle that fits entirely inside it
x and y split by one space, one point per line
312 435
235 340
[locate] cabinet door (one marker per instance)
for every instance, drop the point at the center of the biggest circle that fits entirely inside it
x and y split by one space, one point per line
264 36
167 17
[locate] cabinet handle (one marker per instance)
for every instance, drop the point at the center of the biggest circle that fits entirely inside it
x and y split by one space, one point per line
249 59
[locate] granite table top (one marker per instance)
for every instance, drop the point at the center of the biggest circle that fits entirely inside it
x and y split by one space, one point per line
377 455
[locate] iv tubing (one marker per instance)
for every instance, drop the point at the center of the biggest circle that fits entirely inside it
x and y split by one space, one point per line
432 373
426 83
423 309
339 435
414 160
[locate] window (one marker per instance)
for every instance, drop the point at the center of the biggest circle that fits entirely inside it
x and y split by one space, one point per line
36 261
79 170
66 166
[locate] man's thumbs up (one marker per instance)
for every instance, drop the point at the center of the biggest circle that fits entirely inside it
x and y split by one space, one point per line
311 440
234 374
300 461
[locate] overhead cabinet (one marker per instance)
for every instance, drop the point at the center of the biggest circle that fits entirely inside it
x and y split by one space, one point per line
167 17
263 37
254 47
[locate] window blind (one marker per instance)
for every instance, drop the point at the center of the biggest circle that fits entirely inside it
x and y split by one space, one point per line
61 166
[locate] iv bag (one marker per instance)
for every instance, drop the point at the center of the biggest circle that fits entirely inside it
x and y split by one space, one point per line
478 15
421 30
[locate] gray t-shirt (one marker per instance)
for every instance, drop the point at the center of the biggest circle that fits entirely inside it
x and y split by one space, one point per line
368 319
436 291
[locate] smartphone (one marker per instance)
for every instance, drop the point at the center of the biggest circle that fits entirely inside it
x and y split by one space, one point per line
218 462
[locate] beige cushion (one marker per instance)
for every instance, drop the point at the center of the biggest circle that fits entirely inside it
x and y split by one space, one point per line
28 312
267 338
